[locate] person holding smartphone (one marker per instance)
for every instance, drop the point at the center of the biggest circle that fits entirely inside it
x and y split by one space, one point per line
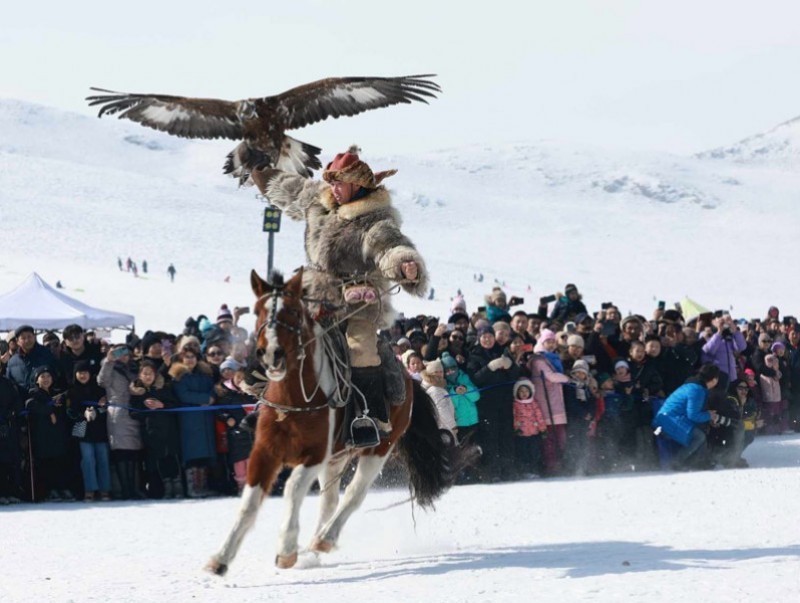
568 305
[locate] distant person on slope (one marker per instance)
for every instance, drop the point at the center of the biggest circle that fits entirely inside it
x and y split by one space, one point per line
171 271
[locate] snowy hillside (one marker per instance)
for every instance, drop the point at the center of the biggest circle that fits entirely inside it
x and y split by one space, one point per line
642 537
780 147
77 192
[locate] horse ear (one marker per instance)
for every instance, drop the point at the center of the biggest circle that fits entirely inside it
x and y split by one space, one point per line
258 284
295 285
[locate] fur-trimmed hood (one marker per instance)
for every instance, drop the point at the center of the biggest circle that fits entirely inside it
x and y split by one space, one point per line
376 200
137 388
178 369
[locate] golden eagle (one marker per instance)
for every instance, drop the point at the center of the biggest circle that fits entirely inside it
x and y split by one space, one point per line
261 123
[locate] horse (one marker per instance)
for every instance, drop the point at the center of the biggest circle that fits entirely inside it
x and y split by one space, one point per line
298 428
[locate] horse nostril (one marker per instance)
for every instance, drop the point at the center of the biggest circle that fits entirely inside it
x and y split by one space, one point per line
278 355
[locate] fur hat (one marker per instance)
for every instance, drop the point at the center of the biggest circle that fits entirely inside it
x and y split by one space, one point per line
347 167
434 366
575 340
224 314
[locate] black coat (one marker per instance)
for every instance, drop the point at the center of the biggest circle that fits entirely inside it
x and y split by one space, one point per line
502 379
160 433
10 408
50 440
67 361
240 442
79 397
21 366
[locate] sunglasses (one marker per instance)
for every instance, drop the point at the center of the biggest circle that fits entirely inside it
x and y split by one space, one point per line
214 353
456 338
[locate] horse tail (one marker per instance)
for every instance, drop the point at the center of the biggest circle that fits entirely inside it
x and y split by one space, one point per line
432 456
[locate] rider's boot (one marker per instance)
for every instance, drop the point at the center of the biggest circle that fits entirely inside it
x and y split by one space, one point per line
369 381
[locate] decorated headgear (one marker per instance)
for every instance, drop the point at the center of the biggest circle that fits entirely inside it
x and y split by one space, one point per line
348 168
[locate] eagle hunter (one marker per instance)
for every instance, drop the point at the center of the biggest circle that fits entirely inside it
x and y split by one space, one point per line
261 123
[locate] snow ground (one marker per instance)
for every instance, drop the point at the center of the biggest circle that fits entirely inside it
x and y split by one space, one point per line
724 535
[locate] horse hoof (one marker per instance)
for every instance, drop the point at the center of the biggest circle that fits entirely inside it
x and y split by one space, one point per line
322 546
285 561
215 567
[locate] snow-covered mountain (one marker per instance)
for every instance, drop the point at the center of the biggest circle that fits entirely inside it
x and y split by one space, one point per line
77 192
778 148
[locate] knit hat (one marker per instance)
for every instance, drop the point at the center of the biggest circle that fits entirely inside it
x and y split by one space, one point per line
230 363
775 346
459 305
40 370
546 335
448 362
23 329
82 366
602 378
627 319
485 329
224 314
575 340
406 357
404 341
570 288
620 363
581 365
348 168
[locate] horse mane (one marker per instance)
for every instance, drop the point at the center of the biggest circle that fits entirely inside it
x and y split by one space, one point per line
276 279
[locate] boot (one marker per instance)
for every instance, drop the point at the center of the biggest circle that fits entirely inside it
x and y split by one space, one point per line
192 482
177 487
394 375
369 381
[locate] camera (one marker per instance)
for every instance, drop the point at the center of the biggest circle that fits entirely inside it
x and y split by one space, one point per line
725 332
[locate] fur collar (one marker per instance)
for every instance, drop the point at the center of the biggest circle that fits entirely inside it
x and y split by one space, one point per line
376 200
177 370
137 388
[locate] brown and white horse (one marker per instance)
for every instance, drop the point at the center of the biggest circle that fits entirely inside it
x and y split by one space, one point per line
298 428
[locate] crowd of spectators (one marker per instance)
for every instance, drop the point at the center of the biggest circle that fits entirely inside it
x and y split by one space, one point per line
551 392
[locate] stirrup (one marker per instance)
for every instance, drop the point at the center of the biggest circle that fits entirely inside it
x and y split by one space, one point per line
364 432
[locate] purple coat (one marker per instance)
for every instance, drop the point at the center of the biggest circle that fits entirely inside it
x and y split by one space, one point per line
720 352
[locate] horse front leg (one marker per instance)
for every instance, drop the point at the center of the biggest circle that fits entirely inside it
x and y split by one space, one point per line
294 492
330 480
261 473
369 466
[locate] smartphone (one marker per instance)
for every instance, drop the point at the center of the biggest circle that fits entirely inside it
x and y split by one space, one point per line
516 301
605 305
450 327
787 321
718 313
547 299
570 327
662 305
166 346
609 328
120 352
482 309
527 347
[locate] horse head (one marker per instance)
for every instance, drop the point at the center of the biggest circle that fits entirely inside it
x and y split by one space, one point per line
282 323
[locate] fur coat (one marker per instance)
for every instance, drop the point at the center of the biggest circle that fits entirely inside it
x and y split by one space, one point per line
359 239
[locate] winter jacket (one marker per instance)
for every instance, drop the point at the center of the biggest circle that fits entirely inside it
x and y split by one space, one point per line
683 411
720 351
361 237
466 404
567 309
195 388
528 417
21 366
579 403
49 439
10 409
159 428
124 432
67 361
445 412
240 442
79 397
549 392
498 383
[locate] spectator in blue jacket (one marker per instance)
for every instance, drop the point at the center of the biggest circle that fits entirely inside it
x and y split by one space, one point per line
684 412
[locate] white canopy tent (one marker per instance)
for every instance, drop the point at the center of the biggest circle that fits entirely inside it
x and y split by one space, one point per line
36 303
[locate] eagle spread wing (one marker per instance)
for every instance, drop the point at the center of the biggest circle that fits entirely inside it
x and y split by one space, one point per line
176 115
260 123
334 97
